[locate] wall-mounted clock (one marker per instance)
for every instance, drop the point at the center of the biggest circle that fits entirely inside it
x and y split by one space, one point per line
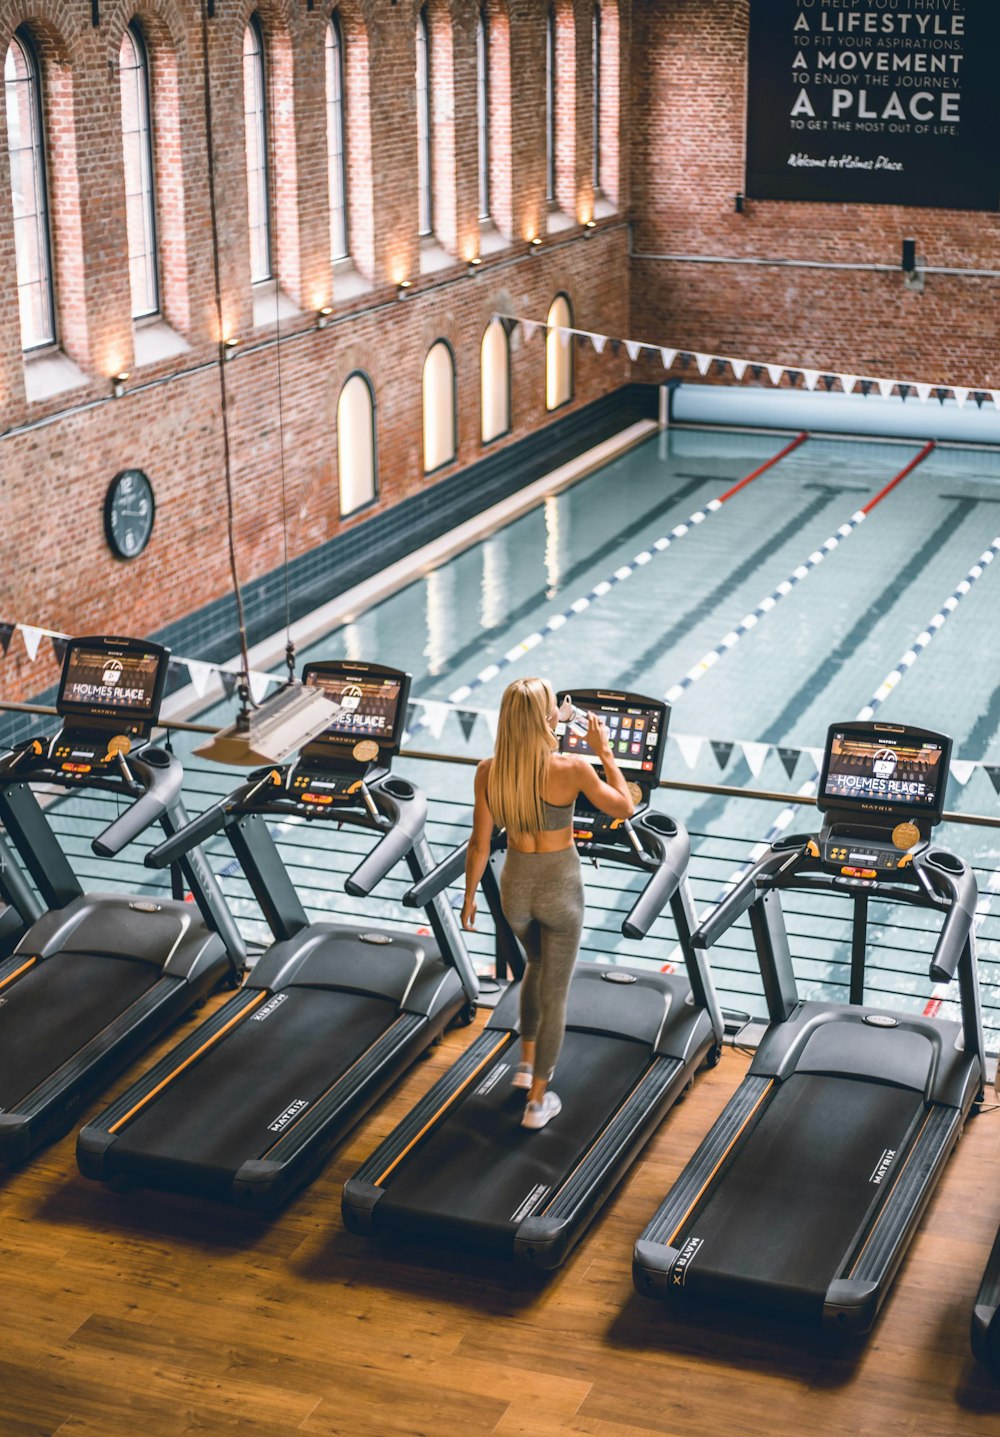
129 509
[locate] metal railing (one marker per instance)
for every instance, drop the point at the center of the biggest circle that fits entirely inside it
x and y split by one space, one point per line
900 940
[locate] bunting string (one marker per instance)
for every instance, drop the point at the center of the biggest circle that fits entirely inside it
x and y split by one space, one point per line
792 375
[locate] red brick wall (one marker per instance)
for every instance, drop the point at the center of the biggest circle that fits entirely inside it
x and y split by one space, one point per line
58 457
688 81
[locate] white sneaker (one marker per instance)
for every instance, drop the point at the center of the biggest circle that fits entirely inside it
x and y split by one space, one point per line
522 1076
536 1115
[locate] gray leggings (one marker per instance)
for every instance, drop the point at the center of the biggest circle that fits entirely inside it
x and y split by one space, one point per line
542 897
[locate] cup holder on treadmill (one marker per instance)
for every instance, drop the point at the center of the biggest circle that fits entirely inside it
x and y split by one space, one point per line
398 788
947 862
661 823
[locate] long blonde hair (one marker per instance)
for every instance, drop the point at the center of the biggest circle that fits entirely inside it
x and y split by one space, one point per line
520 764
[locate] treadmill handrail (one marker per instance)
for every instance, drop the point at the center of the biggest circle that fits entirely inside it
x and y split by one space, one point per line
745 893
962 892
671 853
160 786
408 817
212 820
442 876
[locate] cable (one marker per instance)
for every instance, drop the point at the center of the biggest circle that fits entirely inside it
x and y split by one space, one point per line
244 688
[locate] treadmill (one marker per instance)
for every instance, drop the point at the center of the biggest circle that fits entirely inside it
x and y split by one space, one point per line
100 976
986 1312
804 1195
248 1107
460 1170
18 905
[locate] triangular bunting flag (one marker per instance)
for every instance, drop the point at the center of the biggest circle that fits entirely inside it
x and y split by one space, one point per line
632 348
411 716
811 377
774 373
490 717
739 367
259 685
961 395
669 355
32 638
690 747
564 335
723 751
789 758
923 392
435 715
755 754
992 771
229 682
599 341
885 387
847 382
199 674
6 633
467 719
904 391
995 396
59 648
704 362
816 754
963 769
756 370
529 326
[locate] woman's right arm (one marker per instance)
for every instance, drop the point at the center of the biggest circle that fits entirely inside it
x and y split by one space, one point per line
478 853
611 796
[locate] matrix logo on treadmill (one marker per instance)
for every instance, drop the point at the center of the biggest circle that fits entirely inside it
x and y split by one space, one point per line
283 1119
882 1166
685 1257
269 1007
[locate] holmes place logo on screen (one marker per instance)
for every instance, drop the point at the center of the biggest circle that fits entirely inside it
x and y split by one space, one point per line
269 1007
685 1258
283 1119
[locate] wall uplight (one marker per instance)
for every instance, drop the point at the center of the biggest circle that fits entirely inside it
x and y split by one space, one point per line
402 287
229 347
323 315
118 383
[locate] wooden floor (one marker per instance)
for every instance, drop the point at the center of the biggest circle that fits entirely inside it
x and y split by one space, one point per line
142 1314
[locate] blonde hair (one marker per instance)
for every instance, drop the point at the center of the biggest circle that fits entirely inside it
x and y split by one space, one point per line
524 745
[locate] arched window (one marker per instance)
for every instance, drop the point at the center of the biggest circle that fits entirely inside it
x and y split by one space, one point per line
356 444
335 146
137 144
425 214
258 178
550 107
494 381
439 407
558 354
595 48
483 114
26 147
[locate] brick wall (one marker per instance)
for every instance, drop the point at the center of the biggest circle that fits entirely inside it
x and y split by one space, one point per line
688 83
57 457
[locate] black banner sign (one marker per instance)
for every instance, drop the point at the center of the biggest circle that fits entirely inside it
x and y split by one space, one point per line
875 101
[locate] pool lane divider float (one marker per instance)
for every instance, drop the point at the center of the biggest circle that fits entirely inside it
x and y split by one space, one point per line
878 698
558 621
751 620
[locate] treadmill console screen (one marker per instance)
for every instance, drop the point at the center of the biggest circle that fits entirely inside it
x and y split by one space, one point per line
637 731
105 678
371 702
879 768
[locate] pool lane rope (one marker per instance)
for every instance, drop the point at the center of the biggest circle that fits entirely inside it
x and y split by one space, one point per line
751 620
885 688
435 710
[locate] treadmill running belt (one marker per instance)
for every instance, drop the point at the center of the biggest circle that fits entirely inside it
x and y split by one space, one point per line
482 1171
789 1208
56 1009
221 1111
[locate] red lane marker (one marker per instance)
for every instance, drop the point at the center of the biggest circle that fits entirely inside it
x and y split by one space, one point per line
899 477
932 1008
799 439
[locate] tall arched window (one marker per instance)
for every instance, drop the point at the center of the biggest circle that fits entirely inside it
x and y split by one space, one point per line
439 406
26 147
494 381
335 146
137 144
595 48
558 354
425 213
550 107
258 178
356 444
483 113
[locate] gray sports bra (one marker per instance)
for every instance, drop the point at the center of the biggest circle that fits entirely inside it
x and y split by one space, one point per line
556 815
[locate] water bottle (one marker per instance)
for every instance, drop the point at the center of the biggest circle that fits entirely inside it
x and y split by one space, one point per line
574 718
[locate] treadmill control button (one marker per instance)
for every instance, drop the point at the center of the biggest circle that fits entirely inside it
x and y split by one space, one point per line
615 975
145 907
881 1020
374 937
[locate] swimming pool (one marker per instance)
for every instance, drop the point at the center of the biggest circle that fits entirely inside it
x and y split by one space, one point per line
764 617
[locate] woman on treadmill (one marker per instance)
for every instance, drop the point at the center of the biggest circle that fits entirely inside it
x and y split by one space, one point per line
530 790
